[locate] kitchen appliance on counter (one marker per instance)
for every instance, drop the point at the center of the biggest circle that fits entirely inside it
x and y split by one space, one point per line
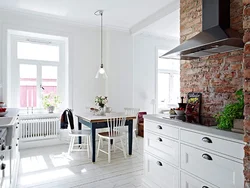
182 105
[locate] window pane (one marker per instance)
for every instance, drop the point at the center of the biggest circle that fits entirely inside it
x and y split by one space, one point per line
175 90
163 89
28 83
49 79
33 51
169 64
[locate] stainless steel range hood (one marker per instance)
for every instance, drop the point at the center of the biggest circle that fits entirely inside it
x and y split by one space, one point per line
216 36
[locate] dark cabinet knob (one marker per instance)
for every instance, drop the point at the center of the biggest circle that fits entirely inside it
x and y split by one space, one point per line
17 138
10 147
3 147
207 157
1 157
159 163
207 140
205 187
16 144
160 140
159 127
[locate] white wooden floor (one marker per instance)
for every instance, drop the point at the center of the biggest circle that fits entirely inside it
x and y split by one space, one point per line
50 167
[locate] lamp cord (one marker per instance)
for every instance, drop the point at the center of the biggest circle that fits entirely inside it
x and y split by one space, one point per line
101 40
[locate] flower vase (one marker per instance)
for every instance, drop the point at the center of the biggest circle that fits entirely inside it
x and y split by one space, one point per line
51 109
102 111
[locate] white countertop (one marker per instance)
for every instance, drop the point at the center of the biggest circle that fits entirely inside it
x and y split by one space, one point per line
12 112
213 131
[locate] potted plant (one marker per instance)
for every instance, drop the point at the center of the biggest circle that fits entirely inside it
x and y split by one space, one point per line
231 112
101 102
50 101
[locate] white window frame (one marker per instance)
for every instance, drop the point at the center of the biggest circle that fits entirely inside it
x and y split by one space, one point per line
171 82
14 79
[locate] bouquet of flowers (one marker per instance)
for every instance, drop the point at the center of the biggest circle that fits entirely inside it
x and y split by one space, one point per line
101 101
50 99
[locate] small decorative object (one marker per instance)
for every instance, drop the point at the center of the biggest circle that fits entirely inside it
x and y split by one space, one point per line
101 102
50 102
3 111
232 111
193 104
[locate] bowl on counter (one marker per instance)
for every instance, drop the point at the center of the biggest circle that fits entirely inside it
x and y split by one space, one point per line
179 112
2 114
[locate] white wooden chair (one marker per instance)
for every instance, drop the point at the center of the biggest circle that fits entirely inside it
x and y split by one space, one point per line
115 132
133 112
75 134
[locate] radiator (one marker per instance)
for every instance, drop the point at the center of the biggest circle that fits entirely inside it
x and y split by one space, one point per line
38 128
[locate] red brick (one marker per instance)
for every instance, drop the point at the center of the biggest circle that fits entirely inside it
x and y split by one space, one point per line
246 2
246 23
236 67
246 37
246 111
246 11
247 48
247 73
246 62
247 86
232 59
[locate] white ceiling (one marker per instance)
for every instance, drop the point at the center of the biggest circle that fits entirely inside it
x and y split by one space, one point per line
122 14
168 26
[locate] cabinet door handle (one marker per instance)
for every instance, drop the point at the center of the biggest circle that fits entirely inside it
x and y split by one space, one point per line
207 157
3 166
159 163
159 127
160 140
205 187
207 140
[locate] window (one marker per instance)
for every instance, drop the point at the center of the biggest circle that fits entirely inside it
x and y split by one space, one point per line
168 82
37 67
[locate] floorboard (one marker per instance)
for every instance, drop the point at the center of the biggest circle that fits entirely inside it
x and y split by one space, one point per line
51 167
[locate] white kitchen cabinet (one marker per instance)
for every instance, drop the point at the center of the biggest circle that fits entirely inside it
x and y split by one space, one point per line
213 143
188 181
211 167
159 173
162 147
183 155
163 129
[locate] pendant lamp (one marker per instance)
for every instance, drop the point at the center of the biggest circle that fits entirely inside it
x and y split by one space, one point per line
101 71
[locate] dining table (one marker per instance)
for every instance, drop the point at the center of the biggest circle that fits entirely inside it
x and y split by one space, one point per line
100 121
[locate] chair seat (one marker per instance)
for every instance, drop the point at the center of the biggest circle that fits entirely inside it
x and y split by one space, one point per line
114 133
84 132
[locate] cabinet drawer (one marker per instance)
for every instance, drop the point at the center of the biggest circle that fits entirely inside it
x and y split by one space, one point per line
162 128
213 168
162 147
190 182
212 143
159 173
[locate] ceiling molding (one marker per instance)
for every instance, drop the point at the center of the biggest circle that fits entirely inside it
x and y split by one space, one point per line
173 6
166 37
59 19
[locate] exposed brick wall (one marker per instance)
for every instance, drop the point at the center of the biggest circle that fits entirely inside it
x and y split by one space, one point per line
217 76
246 65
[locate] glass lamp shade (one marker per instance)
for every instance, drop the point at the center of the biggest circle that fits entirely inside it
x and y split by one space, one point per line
101 72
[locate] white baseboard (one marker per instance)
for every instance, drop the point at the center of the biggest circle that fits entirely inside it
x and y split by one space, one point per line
40 143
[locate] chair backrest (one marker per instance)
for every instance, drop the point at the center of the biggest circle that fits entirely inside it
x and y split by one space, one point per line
132 111
116 126
69 127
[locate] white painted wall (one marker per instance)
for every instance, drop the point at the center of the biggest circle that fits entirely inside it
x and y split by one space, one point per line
120 70
145 66
84 55
130 61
